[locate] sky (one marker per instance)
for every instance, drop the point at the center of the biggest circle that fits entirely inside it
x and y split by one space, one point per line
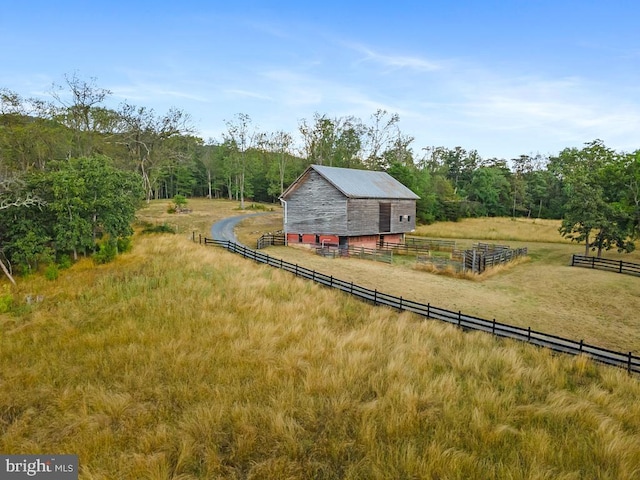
505 78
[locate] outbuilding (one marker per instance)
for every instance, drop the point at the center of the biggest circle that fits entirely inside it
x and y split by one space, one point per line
347 207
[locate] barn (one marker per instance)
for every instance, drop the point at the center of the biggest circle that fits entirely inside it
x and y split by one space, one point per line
347 207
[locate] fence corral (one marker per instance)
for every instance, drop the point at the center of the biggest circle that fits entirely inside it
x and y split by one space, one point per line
617 266
483 256
269 239
377 254
363 253
431 243
627 361
406 248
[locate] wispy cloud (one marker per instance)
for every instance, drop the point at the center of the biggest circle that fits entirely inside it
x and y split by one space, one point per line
247 94
146 91
396 61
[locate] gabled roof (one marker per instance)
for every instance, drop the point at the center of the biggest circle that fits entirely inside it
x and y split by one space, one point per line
358 183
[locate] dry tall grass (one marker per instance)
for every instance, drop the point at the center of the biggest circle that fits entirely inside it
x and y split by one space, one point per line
544 293
492 229
180 362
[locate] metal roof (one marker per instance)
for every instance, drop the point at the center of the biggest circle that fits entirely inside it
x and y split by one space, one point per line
364 183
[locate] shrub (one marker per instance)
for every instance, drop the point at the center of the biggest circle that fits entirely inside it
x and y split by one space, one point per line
162 228
106 253
259 206
52 272
64 261
178 205
29 250
124 244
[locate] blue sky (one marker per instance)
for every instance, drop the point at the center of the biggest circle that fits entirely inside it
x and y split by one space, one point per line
503 77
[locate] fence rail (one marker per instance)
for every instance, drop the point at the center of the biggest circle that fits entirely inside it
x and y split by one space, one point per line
431 243
604 264
377 254
269 239
484 256
406 248
627 361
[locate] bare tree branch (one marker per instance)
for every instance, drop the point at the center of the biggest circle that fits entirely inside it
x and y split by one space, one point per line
21 202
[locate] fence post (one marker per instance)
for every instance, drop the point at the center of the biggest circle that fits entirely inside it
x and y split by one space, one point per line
375 297
593 262
573 260
620 271
529 335
493 327
200 238
296 270
581 342
459 317
351 289
629 363
428 310
400 308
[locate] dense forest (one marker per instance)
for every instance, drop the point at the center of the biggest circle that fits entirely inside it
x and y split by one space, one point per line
72 173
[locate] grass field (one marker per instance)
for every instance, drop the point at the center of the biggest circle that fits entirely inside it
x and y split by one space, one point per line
544 293
180 361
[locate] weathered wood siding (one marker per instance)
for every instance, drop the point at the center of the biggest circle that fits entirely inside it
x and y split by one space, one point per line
317 207
406 209
364 216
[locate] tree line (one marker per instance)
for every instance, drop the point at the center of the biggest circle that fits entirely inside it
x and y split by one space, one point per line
73 170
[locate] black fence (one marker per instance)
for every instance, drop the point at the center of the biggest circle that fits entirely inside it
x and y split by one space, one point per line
617 266
628 361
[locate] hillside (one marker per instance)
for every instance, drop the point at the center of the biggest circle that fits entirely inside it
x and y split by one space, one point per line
181 361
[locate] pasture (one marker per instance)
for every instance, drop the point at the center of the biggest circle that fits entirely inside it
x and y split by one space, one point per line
178 361
543 293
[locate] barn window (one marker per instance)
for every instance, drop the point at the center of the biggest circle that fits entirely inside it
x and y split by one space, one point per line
400 219
408 218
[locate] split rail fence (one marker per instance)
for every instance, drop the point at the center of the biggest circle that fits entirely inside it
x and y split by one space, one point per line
627 361
603 264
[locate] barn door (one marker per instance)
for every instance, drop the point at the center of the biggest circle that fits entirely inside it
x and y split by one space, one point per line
385 217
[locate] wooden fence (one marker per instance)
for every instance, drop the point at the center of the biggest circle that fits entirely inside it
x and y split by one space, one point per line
628 361
406 248
617 266
431 243
377 254
269 239
484 256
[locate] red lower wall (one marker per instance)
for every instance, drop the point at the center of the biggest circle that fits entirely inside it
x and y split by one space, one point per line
367 241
